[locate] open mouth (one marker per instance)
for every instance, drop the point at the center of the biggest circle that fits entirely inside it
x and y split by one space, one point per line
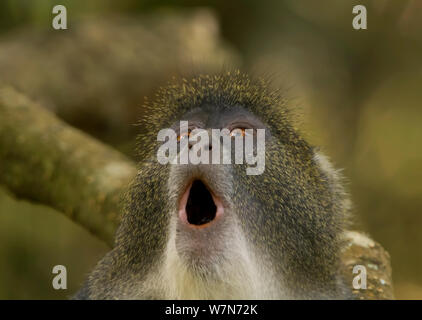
198 206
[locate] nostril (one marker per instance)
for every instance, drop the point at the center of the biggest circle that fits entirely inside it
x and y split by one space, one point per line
206 147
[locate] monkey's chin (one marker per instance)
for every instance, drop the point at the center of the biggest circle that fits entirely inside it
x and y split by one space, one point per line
199 207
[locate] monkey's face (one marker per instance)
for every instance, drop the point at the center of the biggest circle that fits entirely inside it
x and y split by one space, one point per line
222 217
205 225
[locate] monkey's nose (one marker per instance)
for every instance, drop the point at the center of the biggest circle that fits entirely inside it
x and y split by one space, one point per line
198 206
206 146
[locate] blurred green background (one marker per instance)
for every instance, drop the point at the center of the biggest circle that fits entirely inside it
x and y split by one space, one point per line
359 93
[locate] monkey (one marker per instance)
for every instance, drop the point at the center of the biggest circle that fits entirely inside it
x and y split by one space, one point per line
211 231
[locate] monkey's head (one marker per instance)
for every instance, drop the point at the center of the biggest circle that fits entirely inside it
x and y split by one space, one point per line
212 230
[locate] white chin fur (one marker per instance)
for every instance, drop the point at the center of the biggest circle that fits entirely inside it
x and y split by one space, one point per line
242 276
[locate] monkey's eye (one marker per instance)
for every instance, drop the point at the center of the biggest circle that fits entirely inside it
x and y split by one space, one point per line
238 132
184 135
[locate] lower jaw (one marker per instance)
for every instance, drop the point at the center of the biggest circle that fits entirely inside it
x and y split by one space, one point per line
200 262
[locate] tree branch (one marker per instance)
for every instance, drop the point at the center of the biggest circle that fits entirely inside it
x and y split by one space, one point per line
45 160
361 250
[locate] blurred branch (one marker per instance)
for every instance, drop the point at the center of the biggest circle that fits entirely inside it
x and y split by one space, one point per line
361 250
97 73
45 160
